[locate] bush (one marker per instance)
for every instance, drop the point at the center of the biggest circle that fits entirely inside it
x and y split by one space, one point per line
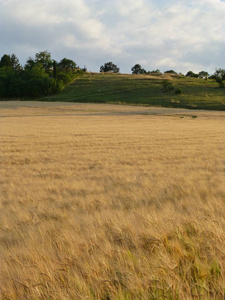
170 72
66 78
191 74
178 91
220 82
167 86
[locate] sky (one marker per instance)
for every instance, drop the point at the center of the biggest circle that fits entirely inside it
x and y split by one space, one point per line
181 35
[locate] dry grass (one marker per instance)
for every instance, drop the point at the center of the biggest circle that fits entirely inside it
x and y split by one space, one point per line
107 202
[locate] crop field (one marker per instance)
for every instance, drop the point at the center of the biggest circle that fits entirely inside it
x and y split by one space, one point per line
111 202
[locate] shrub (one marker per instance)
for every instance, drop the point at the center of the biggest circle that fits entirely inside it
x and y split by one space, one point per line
170 72
167 86
191 74
220 82
177 91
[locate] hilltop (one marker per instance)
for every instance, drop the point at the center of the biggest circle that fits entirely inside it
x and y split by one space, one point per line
196 93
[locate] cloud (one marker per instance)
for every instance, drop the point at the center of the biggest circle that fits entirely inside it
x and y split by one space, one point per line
181 35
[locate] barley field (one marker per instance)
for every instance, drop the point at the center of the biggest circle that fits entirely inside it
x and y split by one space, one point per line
111 202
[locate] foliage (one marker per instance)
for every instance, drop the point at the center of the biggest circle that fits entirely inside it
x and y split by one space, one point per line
109 67
167 86
203 74
170 72
220 82
40 76
177 91
220 73
5 61
191 74
219 76
55 70
10 61
36 81
157 71
137 69
67 65
30 63
44 58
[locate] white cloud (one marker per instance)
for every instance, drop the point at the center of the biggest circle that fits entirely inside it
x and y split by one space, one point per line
180 35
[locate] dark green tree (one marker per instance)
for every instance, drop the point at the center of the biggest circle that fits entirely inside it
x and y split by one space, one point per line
5 61
219 76
137 69
67 65
220 73
36 82
15 63
30 63
203 74
191 74
109 67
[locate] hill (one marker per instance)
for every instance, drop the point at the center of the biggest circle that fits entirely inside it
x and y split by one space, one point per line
196 93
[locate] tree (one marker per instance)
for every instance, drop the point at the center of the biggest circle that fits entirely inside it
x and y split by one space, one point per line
44 58
10 61
219 76
191 74
203 74
39 76
15 63
36 82
29 64
137 69
5 61
67 65
220 73
109 67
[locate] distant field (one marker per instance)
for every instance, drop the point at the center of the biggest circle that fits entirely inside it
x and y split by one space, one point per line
144 90
111 202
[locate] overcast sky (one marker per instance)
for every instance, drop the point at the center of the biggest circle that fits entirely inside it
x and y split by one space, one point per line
181 35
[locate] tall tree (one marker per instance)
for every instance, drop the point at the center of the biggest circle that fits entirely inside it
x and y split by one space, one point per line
15 63
44 58
5 61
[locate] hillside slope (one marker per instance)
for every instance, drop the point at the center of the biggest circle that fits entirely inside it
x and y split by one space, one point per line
143 90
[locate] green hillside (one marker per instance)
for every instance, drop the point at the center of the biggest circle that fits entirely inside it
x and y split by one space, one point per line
196 93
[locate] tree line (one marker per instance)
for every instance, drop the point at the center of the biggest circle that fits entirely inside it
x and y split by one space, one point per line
219 74
38 77
42 75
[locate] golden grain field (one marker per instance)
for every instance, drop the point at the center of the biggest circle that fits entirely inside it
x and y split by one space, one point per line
111 202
